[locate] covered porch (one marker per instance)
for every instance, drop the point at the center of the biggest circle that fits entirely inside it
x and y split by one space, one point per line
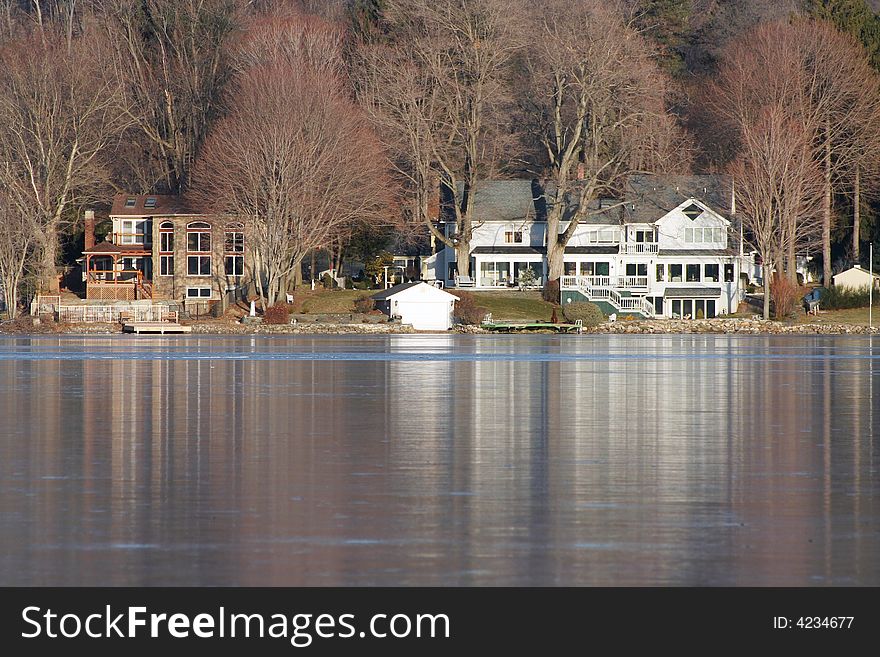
115 272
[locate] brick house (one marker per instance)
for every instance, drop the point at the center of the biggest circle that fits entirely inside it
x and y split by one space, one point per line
158 248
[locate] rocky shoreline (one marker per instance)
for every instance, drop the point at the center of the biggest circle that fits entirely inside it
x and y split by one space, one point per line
25 326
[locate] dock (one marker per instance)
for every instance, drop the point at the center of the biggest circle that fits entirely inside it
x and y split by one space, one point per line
516 327
155 327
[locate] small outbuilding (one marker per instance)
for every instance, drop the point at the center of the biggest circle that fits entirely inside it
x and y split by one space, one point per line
856 278
423 306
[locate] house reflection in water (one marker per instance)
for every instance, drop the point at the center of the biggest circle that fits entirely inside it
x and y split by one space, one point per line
439 460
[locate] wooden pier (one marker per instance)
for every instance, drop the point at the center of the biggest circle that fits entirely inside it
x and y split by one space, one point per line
155 327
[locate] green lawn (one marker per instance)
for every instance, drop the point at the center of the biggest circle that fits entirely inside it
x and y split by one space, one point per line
328 301
515 305
856 316
506 304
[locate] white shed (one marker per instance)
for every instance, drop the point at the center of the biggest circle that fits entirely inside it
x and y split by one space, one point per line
423 306
856 278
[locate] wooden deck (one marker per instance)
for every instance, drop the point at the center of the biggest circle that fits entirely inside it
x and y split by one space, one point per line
155 327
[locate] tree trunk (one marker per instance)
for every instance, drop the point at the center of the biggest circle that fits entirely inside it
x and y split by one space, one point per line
48 272
826 219
463 258
555 259
791 262
766 268
298 272
857 212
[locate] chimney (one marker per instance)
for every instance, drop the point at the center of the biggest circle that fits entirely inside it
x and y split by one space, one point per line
90 229
580 171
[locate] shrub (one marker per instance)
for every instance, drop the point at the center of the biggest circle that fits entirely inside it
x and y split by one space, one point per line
550 293
362 285
786 296
589 313
277 314
349 283
364 304
329 282
466 309
838 298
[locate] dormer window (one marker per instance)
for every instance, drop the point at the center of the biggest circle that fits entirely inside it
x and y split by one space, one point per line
150 202
693 211
129 202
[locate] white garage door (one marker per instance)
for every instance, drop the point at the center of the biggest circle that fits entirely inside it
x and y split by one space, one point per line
425 316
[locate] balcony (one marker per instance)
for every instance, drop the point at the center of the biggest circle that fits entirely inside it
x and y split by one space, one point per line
640 248
616 282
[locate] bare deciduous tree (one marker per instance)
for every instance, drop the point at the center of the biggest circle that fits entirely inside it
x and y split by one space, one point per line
436 92
16 239
297 161
172 58
822 79
779 188
61 115
596 101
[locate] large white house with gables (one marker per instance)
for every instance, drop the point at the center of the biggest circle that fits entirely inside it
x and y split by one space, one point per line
668 248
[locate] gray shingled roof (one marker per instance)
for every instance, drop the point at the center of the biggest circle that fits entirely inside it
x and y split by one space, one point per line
649 197
692 292
391 291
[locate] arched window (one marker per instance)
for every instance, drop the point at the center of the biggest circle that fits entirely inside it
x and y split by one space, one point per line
166 249
198 249
233 249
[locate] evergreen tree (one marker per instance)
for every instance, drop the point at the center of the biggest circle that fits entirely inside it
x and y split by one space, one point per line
854 17
366 17
666 22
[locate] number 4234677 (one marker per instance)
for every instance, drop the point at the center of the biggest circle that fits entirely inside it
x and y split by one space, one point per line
814 622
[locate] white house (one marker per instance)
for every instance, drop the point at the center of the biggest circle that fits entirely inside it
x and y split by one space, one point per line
856 278
668 248
423 306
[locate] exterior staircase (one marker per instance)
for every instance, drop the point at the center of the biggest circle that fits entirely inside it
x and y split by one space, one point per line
607 290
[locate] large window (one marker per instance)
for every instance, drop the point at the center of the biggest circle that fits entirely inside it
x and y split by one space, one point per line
166 249
198 237
704 235
198 247
675 273
728 273
660 273
494 273
166 265
595 269
693 308
637 269
233 248
693 273
133 231
711 273
603 236
513 237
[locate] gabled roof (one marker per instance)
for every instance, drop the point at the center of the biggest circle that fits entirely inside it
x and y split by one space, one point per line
408 288
148 205
650 197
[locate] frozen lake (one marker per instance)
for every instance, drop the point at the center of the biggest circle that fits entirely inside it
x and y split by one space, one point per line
440 460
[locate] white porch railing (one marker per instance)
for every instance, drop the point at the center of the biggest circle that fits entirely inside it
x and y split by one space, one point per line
640 248
599 288
621 282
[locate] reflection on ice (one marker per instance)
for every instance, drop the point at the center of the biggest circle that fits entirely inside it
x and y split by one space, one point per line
439 459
